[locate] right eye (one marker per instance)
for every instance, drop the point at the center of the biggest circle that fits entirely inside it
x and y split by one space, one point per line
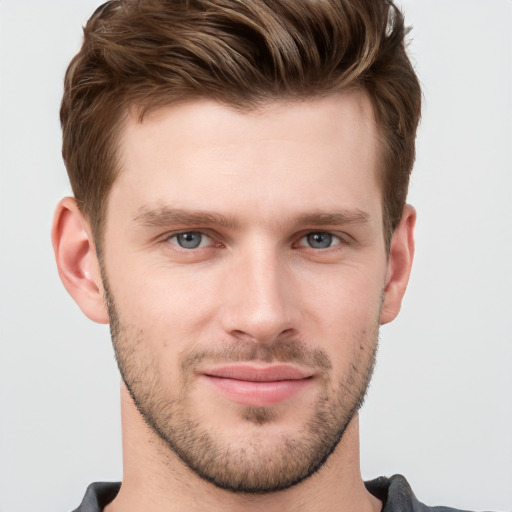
190 240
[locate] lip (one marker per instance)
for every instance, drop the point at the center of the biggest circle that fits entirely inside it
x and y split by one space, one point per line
258 386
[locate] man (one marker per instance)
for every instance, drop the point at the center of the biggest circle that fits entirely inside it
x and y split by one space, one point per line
240 171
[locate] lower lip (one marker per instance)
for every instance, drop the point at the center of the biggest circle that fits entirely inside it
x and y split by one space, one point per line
258 394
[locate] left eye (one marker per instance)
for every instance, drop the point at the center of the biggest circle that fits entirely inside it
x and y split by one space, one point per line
320 240
190 240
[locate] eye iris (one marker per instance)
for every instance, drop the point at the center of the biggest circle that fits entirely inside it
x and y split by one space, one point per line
189 240
319 240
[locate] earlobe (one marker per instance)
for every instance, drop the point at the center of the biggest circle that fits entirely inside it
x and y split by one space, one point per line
399 265
77 263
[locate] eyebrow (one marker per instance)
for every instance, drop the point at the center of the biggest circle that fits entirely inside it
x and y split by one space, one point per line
166 216
333 219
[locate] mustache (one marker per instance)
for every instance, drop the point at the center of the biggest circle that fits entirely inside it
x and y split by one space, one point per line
283 351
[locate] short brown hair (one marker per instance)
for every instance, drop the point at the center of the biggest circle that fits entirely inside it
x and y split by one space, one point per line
152 53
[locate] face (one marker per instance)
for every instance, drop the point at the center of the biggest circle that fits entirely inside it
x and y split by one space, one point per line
245 271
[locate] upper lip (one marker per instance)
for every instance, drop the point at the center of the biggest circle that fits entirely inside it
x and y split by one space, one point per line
258 374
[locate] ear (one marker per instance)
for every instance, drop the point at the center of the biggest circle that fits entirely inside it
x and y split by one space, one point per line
77 263
399 265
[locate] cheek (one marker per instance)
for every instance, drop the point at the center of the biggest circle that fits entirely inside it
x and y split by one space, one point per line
349 293
341 311
167 304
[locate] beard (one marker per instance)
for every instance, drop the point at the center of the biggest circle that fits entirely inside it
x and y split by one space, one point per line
247 464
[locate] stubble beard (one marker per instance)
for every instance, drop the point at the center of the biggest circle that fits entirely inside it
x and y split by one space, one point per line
249 467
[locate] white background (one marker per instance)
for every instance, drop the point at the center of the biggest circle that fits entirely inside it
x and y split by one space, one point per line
439 409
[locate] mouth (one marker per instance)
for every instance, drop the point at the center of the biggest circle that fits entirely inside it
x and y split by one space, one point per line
258 386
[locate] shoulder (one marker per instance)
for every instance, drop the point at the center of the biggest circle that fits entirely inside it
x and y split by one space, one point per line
397 496
98 495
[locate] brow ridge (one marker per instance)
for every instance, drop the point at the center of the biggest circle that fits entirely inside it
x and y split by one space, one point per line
167 216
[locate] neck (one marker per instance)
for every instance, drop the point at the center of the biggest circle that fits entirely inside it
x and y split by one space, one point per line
156 479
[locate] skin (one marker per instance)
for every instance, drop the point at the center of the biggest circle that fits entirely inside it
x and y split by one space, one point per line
254 283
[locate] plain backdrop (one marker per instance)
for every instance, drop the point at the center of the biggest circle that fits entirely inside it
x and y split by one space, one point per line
439 409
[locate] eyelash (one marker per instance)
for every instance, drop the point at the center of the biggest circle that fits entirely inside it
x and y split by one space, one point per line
336 240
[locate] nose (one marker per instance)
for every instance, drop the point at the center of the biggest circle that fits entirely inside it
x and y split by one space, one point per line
260 304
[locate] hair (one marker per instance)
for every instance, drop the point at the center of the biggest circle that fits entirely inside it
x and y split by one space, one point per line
149 54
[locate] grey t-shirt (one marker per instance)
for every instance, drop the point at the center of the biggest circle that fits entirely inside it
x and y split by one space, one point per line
395 493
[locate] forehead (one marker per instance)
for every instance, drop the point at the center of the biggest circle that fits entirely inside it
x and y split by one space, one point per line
319 154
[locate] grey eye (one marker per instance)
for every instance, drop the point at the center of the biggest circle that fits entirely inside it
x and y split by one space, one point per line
189 240
319 240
